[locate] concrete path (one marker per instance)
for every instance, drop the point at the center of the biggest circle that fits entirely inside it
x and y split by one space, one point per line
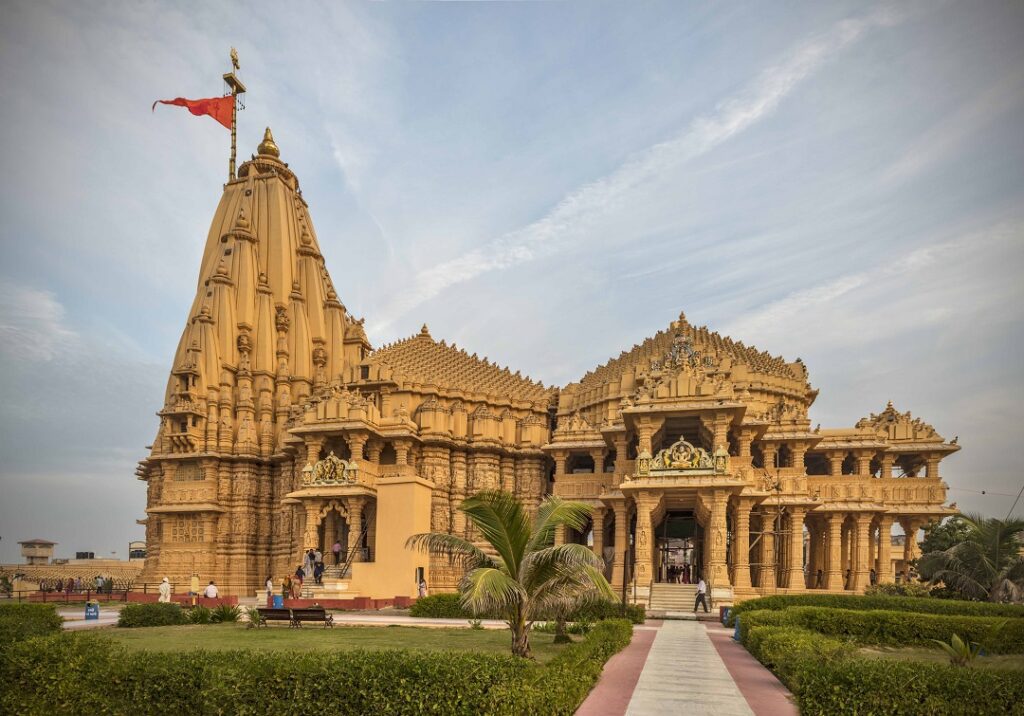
685 674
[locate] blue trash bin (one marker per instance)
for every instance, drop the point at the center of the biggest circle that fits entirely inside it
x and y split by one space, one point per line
92 611
725 614
278 601
736 631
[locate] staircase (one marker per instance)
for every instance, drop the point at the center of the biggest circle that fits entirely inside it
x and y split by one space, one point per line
674 600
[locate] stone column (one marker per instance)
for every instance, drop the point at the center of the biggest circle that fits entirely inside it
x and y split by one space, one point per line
845 561
863 463
835 555
644 547
883 565
862 561
355 528
621 543
560 534
313 446
768 452
597 456
910 547
931 466
715 534
887 463
767 551
458 492
741 545
796 548
835 463
598 520
312 522
356 443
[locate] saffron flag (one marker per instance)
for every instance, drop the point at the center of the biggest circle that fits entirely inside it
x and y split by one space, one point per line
217 107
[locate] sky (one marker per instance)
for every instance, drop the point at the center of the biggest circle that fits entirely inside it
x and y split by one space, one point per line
545 184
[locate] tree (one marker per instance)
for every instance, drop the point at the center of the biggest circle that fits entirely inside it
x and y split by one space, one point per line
940 536
985 565
528 576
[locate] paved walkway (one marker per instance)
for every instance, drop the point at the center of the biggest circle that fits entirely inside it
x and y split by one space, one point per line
687 667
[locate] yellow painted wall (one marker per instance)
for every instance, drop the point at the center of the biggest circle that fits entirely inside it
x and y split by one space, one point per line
403 509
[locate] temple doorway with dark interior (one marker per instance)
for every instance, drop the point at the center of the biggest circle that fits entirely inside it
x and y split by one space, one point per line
678 541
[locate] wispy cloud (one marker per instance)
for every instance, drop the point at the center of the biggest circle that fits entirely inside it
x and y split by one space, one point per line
582 209
32 324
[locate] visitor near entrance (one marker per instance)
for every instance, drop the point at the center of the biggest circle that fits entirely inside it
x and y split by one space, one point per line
336 549
702 596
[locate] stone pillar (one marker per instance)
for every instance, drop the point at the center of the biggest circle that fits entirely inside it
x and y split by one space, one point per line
835 463
768 452
887 463
741 545
931 466
644 547
863 463
862 561
598 525
312 522
844 562
715 535
598 457
910 547
883 565
356 443
620 458
560 533
796 548
355 528
621 543
313 446
767 551
835 555
799 452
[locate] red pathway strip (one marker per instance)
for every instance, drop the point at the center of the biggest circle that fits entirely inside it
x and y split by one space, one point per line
764 693
611 695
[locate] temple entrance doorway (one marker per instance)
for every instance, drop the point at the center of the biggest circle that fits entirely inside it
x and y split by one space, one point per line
678 548
333 529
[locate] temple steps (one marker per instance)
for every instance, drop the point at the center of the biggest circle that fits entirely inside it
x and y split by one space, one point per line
672 598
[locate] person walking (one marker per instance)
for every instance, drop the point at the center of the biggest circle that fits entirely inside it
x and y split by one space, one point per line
300 576
702 596
270 591
337 553
318 573
165 591
422 588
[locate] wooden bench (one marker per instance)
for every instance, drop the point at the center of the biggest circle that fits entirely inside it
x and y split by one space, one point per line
272 614
312 614
294 617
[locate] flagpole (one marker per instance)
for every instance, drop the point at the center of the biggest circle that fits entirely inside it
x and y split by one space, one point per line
237 88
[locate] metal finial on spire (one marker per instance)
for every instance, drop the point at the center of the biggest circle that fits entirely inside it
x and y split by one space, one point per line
237 88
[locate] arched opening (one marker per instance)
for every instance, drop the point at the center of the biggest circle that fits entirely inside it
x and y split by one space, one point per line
815 463
579 463
609 462
849 465
785 456
756 456
678 545
388 456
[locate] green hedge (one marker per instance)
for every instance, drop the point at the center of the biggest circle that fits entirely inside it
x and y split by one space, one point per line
153 614
86 673
22 621
922 605
448 606
889 628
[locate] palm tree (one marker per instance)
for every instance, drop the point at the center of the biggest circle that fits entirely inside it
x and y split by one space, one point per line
529 576
987 563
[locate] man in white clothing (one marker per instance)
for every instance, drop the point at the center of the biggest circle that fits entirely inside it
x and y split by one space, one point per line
211 591
702 596
165 590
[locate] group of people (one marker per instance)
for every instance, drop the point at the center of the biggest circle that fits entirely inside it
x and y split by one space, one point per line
681 575
76 585
209 592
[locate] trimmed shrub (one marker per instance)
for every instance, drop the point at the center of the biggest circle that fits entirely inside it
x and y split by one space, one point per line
827 679
922 605
890 628
152 614
87 673
439 606
447 606
901 688
23 621
903 589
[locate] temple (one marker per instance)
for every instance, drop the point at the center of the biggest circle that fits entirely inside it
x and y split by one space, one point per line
284 429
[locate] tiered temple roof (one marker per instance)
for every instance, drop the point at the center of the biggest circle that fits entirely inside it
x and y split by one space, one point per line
421 359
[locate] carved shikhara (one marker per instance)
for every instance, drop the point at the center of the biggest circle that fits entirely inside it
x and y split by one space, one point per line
281 423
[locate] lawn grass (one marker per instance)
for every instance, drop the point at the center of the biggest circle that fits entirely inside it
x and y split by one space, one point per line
918 653
222 637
